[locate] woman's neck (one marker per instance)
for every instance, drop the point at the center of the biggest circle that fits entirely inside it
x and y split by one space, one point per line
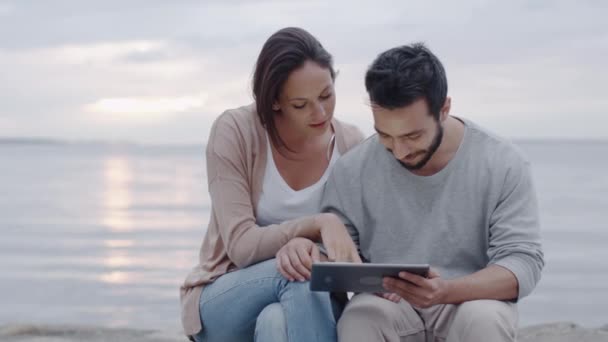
298 144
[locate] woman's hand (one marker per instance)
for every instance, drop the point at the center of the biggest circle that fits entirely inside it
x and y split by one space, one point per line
338 243
294 260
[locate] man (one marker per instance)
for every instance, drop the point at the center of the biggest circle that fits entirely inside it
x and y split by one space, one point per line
437 189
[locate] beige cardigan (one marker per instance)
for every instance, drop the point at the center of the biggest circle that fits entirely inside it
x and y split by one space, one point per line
236 161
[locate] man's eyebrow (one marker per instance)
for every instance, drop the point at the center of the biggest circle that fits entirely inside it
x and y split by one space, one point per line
402 135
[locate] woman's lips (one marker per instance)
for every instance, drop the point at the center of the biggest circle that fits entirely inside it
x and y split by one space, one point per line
318 125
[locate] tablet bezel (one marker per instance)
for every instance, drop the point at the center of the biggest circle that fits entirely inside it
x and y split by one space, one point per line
355 277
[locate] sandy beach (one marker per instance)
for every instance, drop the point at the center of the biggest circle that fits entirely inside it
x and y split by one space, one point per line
552 332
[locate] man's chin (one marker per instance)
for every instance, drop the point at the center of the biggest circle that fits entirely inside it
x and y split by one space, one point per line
411 167
421 162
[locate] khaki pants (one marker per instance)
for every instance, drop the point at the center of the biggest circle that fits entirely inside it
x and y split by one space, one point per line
370 318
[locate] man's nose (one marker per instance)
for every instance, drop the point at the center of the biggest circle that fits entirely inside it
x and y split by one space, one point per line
400 150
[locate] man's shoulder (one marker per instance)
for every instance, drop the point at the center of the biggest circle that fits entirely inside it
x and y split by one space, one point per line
361 153
493 148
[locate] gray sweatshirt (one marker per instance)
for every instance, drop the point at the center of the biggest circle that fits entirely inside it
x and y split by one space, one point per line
480 209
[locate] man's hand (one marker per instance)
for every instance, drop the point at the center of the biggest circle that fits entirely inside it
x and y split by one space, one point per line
338 243
393 297
294 260
419 291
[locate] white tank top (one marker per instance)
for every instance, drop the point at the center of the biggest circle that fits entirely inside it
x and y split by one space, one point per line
279 202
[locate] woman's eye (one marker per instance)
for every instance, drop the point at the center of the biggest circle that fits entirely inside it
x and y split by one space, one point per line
299 106
325 97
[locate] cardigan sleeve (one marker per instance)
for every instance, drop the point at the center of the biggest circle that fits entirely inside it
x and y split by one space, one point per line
231 200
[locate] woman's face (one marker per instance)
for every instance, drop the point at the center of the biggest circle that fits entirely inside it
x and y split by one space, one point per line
307 100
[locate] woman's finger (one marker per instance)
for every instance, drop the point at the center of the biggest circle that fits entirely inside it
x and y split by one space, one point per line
299 259
315 254
286 263
279 256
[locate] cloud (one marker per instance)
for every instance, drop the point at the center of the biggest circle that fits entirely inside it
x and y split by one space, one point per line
143 109
5 9
103 52
514 61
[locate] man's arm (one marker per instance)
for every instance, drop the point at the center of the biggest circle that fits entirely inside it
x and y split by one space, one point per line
515 254
515 229
492 282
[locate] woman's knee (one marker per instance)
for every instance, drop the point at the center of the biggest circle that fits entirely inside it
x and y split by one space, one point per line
271 324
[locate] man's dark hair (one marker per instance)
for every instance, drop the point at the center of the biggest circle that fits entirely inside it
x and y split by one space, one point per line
404 74
285 51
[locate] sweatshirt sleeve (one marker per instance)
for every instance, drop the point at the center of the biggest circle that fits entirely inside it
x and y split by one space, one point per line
515 229
334 202
231 199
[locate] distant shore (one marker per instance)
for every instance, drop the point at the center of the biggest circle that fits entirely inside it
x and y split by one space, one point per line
554 332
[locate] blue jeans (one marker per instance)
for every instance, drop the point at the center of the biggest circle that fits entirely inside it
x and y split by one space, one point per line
230 307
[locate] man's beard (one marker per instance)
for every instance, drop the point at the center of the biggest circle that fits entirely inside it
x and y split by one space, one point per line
430 151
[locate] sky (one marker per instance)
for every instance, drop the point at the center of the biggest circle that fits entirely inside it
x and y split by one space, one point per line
152 71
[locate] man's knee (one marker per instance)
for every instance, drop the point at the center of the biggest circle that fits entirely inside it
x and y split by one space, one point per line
486 317
372 313
271 324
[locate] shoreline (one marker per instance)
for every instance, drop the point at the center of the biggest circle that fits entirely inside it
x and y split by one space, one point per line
555 332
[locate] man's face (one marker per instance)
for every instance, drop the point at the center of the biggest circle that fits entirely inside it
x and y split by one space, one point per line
410 133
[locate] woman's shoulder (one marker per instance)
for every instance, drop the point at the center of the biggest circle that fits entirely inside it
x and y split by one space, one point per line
240 117
240 122
235 132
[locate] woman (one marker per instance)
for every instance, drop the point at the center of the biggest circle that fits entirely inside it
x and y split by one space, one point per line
267 164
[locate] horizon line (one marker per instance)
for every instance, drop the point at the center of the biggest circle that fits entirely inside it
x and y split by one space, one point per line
59 141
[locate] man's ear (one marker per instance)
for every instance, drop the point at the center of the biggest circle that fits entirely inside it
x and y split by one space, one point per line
445 109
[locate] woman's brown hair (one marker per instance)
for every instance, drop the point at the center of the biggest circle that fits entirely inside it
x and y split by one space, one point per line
285 51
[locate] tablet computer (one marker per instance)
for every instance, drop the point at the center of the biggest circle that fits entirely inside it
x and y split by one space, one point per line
352 277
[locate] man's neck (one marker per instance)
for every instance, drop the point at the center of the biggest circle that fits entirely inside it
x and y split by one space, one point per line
453 130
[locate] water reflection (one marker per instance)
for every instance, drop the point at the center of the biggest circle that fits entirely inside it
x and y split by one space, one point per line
117 277
118 243
117 199
117 195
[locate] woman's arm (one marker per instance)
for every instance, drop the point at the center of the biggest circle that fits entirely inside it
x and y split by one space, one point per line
229 187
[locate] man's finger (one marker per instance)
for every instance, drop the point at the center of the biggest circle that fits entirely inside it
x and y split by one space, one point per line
393 297
414 278
433 273
409 297
402 288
